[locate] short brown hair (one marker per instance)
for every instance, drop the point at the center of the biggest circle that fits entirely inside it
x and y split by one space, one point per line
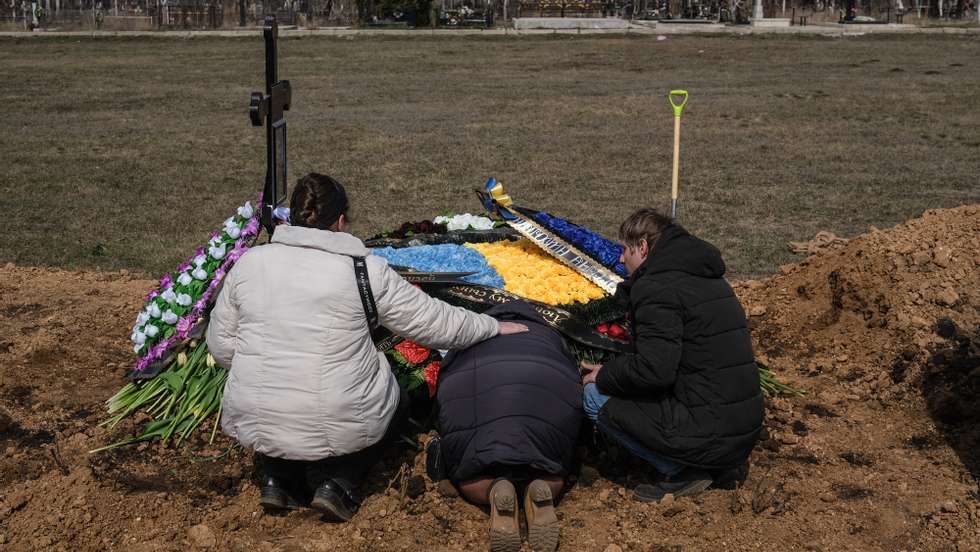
645 224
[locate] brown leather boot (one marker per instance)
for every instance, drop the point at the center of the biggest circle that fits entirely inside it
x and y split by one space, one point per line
505 529
542 522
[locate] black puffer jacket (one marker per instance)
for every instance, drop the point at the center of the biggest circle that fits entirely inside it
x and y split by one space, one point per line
513 401
691 390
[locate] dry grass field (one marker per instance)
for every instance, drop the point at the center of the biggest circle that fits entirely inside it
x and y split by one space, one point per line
124 153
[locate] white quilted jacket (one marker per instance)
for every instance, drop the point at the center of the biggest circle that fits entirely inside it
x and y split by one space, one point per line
306 382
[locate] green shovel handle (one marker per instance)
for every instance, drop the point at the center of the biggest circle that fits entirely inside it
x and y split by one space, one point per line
678 107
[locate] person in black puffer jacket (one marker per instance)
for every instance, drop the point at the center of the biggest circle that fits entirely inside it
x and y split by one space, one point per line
509 411
688 399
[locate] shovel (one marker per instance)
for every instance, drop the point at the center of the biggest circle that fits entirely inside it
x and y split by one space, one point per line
678 108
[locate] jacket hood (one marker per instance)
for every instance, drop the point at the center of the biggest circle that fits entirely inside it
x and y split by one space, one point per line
677 250
518 310
341 243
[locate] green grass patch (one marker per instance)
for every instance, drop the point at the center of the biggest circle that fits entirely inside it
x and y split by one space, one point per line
125 153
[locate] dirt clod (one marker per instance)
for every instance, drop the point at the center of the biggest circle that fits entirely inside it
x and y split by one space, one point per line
202 536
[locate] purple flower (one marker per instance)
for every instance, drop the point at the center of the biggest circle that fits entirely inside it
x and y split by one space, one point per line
183 266
184 326
141 364
200 305
252 228
152 295
156 351
218 275
166 281
236 253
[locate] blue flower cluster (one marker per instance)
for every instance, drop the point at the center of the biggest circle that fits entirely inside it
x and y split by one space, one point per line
599 248
446 257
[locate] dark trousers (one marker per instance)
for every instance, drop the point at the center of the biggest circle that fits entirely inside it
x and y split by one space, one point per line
348 470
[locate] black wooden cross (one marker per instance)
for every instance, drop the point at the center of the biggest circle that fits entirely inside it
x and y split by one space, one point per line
270 106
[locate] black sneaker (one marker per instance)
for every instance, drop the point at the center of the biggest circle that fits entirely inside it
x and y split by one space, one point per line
687 483
434 466
274 496
335 501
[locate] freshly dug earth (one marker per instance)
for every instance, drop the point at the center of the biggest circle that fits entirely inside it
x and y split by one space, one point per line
883 333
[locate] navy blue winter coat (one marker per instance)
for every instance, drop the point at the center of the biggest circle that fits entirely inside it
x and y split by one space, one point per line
513 401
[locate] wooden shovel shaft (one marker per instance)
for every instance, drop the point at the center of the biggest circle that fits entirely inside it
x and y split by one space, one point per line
677 158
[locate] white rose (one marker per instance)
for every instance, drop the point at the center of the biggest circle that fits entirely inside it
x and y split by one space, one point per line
184 279
169 317
246 211
184 300
169 295
217 252
200 260
152 331
154 310
233 231
200 274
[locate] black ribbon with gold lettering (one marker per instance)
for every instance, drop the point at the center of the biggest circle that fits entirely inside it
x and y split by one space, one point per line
473 295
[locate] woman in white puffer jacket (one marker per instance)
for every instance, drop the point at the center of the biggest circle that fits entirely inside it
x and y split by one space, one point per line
307 388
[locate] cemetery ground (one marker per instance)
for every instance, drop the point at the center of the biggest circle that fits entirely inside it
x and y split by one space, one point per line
121 155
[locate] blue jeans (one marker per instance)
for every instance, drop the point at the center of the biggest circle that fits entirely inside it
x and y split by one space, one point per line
592 403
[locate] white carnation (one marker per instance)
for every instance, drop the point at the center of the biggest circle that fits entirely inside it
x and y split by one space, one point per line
139 338
142 318
154 310
200 274
184 300
233 231
151 330
184 279
200 260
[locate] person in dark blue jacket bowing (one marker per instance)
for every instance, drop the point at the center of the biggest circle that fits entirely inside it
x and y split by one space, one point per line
509 412
688 399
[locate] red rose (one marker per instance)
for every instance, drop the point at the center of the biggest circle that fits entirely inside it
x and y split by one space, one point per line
617 331
412 351
431 376
602 328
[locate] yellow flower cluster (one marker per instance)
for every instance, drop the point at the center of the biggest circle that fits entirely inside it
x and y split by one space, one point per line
532 273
